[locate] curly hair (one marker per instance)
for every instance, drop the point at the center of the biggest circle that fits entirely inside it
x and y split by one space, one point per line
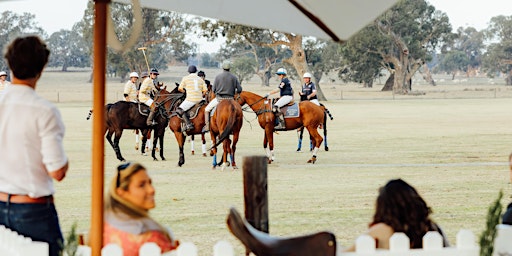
401 207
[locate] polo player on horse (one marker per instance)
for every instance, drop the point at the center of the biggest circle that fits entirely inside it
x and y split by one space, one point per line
224 87
195 88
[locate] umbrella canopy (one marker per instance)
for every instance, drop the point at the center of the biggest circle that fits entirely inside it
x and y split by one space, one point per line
333 19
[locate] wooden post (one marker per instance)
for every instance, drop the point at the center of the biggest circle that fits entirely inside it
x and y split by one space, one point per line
255 191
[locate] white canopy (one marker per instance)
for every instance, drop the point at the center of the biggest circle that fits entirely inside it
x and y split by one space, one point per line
335 19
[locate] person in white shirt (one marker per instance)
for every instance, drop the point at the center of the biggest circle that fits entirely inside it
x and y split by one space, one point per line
33 131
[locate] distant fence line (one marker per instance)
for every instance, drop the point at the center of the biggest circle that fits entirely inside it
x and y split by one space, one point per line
331 94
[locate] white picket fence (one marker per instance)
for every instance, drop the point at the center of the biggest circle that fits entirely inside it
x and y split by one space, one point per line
16 245
13 244
221 248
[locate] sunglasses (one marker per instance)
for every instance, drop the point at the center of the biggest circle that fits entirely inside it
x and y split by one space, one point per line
119 169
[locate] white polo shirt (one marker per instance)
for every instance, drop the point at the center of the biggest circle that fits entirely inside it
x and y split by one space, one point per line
31 135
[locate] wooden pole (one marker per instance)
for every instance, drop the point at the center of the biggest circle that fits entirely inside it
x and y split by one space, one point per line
255 191
98 161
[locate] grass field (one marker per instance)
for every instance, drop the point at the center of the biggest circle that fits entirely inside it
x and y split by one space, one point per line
451 143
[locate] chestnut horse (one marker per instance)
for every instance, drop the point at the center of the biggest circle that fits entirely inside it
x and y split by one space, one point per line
300 132
226 120
310 117
196 114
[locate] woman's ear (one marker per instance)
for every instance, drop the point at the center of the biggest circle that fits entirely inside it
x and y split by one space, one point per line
120 192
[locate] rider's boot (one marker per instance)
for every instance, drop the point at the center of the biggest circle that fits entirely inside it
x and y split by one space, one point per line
206 127
151 115
184 115
279 118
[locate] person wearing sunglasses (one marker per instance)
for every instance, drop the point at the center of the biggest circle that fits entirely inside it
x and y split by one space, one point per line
127 223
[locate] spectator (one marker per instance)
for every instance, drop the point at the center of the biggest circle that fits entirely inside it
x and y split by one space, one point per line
399 208
129 198
32 149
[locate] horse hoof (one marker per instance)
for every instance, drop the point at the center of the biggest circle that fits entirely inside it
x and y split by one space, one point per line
192 152
235 167
204 154
144 154
136 147
156 149
312 160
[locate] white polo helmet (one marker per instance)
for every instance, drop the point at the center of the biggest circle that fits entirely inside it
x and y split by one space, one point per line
281 71
134 74
306 75
3 73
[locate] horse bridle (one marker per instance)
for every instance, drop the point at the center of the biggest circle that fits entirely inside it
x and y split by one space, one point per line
260 111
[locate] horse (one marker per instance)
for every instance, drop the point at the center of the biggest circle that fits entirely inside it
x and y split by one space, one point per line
310 116
300 132
196 114
226 120
127 115
146 133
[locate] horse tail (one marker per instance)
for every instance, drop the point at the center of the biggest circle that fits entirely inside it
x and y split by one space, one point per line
229 125
326 110
326 147
89 115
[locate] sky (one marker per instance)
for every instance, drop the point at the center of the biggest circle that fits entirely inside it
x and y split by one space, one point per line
65 13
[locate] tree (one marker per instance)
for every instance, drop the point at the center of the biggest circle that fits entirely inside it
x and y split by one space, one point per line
263 38
14 25
454 61
322 56
163 34
243 68
69 49
402 40
471 42
498 57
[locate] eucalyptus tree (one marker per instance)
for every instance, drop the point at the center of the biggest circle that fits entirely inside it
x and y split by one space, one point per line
14 25
69 49
255 37
401 40
498 58
322 56
163 34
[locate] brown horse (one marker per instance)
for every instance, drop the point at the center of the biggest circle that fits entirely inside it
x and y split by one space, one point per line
196 114
300 132
226 120
127 115
310 116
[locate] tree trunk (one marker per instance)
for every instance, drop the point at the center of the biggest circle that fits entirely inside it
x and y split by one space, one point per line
427 75
298 61
388 86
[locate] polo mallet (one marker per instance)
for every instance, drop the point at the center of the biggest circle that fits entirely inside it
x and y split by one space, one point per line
144 52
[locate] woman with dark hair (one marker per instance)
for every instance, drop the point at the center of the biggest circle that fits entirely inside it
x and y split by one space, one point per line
127 222
399 208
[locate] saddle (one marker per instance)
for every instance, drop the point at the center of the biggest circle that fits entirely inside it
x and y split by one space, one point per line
262 244
192 112
289 110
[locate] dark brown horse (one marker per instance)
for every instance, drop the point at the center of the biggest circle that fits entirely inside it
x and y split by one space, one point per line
310 117
226 120
196 114
127 115
146 133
